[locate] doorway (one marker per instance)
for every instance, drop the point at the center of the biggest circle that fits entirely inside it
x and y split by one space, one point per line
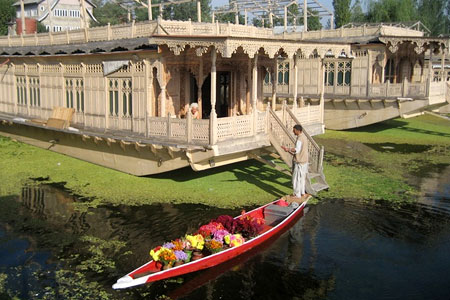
223 95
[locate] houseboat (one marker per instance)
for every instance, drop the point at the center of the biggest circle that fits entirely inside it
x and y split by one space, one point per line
392 70
114 95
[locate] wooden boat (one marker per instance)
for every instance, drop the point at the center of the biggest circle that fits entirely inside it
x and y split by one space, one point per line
151 271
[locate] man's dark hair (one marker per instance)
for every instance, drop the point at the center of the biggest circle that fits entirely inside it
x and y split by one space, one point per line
298 127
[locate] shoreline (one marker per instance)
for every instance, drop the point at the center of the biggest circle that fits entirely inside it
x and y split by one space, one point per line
373 162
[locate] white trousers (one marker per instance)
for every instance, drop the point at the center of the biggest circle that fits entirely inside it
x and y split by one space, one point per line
299 172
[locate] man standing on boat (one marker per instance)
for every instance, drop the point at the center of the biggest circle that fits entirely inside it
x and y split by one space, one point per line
299 162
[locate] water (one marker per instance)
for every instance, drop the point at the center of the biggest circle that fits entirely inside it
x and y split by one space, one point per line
341 249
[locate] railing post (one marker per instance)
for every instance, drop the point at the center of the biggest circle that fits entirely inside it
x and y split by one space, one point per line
35 39
189 27
320 163
133 29
67 37
86 34
267 118
169 126
405 87
283 115
213 129
189 126
309 113
21 39
109 31
9 40
388 84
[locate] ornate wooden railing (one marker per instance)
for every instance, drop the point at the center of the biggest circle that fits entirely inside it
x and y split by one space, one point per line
281 130
134 30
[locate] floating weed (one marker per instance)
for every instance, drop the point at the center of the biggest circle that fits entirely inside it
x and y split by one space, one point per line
97 254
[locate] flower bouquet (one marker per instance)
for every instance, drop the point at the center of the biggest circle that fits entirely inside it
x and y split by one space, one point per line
214 246
216 236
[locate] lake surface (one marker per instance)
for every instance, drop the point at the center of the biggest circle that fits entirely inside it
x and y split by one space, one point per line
340 249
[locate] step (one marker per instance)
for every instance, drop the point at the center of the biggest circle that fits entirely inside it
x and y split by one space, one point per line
319 186
313 175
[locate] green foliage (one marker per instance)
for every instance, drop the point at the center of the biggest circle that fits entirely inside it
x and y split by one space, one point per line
41 28
392 11
433 15
7 14
109 12
229 17
358 15
342 13
187 11
75 285
313 21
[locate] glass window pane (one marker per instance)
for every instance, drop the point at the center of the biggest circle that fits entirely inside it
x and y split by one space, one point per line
340 78
111 101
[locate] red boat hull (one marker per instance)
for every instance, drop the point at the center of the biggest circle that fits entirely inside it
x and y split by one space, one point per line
150 271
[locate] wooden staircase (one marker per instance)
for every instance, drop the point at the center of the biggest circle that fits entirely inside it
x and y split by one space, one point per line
280 134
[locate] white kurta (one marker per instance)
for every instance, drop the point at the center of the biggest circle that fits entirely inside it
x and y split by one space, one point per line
299 172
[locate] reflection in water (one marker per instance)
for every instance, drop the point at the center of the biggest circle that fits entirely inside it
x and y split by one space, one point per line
340 249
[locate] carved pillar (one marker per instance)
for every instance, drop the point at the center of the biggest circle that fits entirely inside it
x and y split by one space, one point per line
213 114
430 70
247 87
274 83
322 91
295 90
162 83
305 15
148 93
199 86
370 71
443 65
199 11
255 82
149 10
255 92
22 17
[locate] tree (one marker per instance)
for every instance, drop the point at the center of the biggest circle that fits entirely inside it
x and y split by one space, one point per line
313 20
186 11
392 11
7 13
229 17
358 15
40 28
342 14
109 12
433 15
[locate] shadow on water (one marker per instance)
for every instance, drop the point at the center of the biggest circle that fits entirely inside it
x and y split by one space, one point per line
340 249
250 171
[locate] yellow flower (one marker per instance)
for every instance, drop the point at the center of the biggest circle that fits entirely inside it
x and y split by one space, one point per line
196 241
155 254
234 240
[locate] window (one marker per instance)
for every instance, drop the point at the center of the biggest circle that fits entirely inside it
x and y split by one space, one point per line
57 28
74 13
35 91
344 73
448 76
283 73
21 90
329 73
338 73
389 71
120 97
268 78
42 8
75 93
